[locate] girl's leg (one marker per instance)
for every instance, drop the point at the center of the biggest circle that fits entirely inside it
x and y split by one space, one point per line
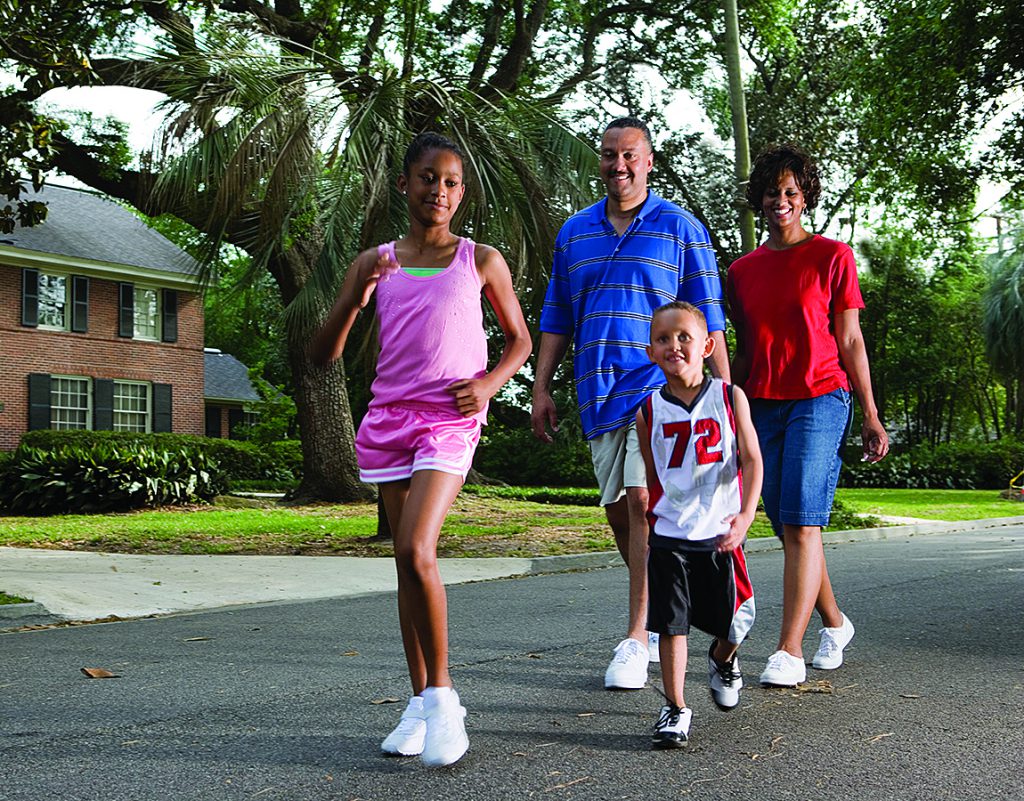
421 506
673 652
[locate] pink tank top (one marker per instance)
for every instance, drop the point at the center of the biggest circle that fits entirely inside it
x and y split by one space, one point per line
431 332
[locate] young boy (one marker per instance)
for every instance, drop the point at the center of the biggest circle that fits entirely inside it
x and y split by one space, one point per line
704 477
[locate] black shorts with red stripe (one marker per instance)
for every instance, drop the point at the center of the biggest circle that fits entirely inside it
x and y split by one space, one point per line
699 587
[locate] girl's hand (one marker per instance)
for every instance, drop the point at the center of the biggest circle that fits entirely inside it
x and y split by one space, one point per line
471 395
382 271
735 536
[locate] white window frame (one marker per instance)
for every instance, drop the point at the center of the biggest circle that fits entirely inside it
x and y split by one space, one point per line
151 332
56 409
147 412
43 303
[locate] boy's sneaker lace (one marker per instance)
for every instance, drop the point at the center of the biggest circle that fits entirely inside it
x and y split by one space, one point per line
784 670
725 680
407 737
628 668
833 641
653 641
673 727
446 739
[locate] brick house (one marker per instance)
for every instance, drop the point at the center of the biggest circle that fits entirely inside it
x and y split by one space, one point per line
101 324
229 393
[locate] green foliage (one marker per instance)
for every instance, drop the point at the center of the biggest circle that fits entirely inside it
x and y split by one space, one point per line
105 477
571 496
959 465
514 456
279 461
275 413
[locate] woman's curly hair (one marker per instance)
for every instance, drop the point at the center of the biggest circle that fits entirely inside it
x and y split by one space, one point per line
769 167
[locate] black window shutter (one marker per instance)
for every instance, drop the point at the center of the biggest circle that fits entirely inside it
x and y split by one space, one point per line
170 315
235 418
38 401
79 304
102 404
213 421
30 298
126 306
161 407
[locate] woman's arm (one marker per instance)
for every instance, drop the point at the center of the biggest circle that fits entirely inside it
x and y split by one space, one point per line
471 394
854 356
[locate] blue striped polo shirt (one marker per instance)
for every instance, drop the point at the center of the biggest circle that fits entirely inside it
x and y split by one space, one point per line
602 293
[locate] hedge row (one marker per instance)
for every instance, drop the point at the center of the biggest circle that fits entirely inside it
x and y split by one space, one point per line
105 477
954 465
238 460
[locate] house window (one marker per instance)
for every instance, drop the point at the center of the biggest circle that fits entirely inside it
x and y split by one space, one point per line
53 296
131 406
70 402
147 313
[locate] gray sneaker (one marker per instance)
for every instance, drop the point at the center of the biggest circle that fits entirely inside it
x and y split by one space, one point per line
725 680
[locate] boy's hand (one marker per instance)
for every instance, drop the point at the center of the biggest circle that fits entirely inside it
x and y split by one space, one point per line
735 536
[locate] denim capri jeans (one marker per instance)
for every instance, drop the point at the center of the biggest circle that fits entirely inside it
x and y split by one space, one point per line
801 441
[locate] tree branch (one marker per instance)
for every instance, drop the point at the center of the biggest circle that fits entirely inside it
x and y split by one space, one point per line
289 25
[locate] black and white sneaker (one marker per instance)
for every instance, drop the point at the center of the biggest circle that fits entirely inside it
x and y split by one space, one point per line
673 727
725 680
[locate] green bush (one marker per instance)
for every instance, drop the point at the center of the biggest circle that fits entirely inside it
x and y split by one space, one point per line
515 456
954 465
240 461
105 477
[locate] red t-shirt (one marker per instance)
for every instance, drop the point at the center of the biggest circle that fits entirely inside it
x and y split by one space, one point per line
783 303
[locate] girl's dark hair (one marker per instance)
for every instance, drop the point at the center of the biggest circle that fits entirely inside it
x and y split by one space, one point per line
428 140
769 167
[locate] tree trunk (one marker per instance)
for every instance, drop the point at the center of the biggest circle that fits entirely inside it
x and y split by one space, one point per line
329 470
738 105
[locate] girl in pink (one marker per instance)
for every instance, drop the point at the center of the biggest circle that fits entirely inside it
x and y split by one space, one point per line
430 399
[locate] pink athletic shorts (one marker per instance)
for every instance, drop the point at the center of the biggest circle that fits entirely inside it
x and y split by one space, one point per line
396 440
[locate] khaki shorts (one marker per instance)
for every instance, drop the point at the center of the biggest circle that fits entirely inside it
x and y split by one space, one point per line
618 463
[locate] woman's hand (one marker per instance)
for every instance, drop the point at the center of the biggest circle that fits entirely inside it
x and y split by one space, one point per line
876 441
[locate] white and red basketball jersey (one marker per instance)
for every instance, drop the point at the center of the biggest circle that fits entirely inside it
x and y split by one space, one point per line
696 460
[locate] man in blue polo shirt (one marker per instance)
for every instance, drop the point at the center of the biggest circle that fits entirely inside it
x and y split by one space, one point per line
615 262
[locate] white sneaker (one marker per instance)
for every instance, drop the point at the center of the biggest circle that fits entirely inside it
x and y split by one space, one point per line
784 670
407 737
833 641
673 727
725 680
653 653
628 668
446 739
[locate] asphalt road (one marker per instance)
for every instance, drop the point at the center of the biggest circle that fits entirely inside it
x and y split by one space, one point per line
278 702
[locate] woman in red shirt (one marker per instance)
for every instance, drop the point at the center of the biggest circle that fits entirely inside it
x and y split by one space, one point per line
795 302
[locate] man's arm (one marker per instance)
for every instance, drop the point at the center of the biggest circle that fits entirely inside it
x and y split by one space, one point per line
718 361
549 355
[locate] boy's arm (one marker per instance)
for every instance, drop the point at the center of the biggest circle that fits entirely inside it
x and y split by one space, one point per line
472 394
753 474
360 281
643 435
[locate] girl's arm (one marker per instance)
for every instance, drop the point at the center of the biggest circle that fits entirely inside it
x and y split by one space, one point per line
360 281
753 474
471 394
854 356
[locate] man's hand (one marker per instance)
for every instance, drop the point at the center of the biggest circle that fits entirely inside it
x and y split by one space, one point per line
542 415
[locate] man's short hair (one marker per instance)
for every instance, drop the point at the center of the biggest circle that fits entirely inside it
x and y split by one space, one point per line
632 122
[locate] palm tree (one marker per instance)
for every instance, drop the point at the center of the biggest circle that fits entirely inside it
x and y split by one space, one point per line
1003 325
294 159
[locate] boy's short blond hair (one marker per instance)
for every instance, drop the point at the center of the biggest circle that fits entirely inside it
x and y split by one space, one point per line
682 305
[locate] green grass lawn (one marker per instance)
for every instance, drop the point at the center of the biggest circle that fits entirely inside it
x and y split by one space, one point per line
480 524
947 505
11 599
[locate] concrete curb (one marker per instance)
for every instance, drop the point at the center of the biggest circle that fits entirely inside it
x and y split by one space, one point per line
17 611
